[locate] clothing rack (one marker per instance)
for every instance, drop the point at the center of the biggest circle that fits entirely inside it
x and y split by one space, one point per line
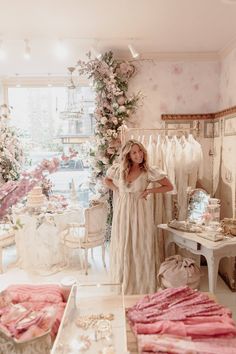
125 129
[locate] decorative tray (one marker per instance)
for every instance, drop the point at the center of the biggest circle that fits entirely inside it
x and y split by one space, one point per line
184 226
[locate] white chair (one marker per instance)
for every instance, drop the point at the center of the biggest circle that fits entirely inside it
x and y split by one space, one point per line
89 235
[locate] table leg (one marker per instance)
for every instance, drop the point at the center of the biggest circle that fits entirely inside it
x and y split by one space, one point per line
213 267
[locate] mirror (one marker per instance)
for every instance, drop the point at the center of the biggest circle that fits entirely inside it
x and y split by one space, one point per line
198 201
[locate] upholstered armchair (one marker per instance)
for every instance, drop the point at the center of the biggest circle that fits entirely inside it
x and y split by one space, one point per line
90 234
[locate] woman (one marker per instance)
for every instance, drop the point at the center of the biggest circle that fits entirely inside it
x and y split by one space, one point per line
132 256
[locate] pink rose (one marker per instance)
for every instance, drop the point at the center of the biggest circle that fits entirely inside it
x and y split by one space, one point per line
121 100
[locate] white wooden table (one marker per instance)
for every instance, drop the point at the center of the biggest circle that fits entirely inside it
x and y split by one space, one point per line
38 244
212 251
7 238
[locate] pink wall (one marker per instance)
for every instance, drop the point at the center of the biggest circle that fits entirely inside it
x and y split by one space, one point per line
175 87
227 96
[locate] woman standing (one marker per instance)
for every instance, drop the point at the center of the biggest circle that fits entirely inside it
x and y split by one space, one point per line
132 256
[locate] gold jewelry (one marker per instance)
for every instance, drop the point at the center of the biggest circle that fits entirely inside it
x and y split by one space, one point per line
85 322
103 329
86 342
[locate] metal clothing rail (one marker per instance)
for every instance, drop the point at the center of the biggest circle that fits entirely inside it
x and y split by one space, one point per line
125 130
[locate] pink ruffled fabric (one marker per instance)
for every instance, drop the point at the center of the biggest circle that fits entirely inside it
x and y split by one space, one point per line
33 310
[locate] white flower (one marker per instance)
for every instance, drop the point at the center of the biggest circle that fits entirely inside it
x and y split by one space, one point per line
103 120
115 135
115 105
105 160
114 120
102 141
122 109
109 132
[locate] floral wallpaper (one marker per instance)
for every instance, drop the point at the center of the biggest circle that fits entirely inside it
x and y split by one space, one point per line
178 87
175 87
227 97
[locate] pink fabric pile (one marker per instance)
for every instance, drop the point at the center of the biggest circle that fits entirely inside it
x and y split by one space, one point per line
182 320
29 311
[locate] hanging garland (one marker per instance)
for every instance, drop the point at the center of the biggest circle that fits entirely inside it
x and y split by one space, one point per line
114 107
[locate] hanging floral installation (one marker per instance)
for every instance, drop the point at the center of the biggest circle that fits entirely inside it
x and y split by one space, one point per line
11 152
113 106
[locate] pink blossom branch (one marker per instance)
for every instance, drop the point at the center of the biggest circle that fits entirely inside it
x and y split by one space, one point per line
13 191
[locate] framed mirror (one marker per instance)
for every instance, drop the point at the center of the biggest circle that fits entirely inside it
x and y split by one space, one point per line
198 201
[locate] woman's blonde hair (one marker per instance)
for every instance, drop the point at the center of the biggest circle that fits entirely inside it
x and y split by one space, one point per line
126 161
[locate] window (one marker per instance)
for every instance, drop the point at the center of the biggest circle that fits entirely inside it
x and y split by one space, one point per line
36 115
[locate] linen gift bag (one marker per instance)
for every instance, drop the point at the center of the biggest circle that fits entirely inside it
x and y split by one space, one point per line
177 271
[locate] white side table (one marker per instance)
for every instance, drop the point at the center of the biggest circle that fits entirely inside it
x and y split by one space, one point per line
212 251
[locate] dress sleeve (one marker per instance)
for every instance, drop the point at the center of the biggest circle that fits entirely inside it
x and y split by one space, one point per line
155 174
113 172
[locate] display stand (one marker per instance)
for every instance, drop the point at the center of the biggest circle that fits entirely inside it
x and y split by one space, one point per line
94 320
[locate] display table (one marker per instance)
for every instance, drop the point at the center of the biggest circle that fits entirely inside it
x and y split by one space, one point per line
212 251
7 238
39 248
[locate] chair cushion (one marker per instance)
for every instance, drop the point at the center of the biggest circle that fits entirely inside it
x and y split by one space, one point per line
76 238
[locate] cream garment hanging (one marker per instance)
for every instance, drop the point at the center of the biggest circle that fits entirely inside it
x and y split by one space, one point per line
151 151
197 158
143 140
168 153
159 213
181 178
167 212
158 157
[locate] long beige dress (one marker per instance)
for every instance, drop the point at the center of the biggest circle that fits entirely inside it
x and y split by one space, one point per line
132 251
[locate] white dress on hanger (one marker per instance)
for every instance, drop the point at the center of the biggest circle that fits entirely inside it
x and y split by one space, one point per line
132 251
197 160
158 158
181 177
151 151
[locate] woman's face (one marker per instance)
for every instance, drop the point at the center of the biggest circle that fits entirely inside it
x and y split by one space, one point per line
136 154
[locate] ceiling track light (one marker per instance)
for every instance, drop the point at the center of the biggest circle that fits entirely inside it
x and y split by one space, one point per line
27 53
133 51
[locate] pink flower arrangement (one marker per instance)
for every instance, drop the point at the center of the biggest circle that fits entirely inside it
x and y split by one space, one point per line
110 79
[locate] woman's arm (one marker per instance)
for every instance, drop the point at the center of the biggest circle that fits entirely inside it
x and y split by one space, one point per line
166 186
109 183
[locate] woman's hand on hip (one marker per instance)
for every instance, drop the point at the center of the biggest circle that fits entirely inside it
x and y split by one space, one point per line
144 194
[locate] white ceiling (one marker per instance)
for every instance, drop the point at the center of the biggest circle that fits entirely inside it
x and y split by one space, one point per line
153 26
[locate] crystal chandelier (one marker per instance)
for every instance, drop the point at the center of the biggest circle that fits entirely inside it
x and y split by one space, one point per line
74 109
